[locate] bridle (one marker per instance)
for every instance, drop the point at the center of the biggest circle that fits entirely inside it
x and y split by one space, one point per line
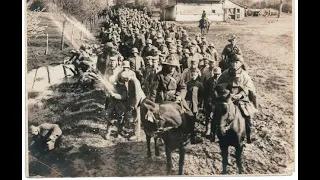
229 117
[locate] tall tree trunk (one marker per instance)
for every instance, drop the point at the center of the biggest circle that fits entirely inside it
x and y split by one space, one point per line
280 8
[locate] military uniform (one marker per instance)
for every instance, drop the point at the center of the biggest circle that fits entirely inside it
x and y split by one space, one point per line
139 43
147 50
240 83
168 87
137 64
213 52
229 52
210 94
111 76
151 73
194 87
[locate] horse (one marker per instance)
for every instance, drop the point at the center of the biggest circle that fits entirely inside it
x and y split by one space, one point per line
174 133
231 128
152 115
204 24
165 120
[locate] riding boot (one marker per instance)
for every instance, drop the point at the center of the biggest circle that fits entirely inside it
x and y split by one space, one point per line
248 129
213 130
120 125
193 138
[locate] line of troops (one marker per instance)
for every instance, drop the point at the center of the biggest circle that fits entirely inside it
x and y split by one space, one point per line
171 66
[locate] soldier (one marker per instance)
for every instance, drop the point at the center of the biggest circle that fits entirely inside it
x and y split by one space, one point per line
45 136
160 40
162 58
178 41
169 43
194 91
110 76
147 50
186 74
207 72
119 101
180 50
243 92
209 93
193 54
184 59
151 74
229 52
152 35
173 52
138 41
198 38
178 33
156 53
137 63
195 44
204 15
164 50
126 68
169 86
203 41
213 52
204 63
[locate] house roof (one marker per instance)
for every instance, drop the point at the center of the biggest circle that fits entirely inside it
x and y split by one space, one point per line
209 1
238 4
199 1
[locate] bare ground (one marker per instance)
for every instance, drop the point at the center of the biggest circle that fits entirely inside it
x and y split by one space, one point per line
268 50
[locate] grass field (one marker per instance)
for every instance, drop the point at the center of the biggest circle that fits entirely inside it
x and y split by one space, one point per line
268 50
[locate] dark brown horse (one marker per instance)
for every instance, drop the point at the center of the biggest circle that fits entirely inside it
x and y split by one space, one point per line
204 25
231 128
172 122
166 121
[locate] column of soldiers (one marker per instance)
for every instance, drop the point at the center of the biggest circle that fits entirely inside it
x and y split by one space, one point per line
170 64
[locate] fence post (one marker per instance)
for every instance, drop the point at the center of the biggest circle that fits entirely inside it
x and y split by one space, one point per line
62 36
81 31
47 46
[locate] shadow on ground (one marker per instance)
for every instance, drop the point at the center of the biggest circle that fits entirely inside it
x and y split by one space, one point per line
83 152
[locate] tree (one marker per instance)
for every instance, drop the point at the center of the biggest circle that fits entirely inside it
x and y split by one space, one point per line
34 29
280 8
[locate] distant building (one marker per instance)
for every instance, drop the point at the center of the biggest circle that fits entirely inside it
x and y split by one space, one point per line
191 10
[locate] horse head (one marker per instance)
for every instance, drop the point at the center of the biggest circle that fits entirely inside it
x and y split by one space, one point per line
224 111
164 115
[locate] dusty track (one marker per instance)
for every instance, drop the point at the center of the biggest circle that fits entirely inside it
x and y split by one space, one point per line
268 50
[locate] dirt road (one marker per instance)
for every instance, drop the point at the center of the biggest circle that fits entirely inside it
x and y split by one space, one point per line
268 50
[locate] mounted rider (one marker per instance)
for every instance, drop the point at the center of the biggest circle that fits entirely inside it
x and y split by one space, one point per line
168 85
229 52
204 18
243 92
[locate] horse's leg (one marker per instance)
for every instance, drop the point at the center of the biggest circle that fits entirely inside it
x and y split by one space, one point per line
148 145
208 123
224 154
239 149
182 153
156 147
213 130
169 158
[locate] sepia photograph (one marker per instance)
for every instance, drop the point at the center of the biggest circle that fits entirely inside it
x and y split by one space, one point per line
159 88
